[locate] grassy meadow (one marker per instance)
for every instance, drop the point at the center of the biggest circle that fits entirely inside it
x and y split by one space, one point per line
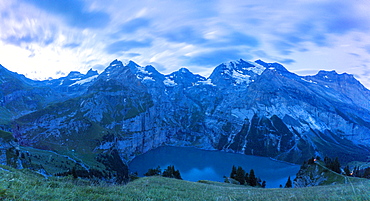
27 185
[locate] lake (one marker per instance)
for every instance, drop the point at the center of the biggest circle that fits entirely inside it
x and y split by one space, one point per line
196 164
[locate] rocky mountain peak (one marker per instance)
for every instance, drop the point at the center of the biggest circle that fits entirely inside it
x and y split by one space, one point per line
92 72
272 66
183 77
74 74
236 73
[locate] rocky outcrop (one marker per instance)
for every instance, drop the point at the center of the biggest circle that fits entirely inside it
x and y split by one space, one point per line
310 175
315 173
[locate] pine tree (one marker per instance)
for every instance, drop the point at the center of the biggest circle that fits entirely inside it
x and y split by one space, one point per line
168 172
336 166
252 178
288 183
347 172
171 172
153 172
367 173
263 185
247 179
74 172
240 173
233 172
177 174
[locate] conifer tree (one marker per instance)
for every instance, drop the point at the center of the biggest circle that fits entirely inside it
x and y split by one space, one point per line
247 179
347 172
288 183
336 166
171 172
153 172
233 172
74 172
263 185
252 178
240 173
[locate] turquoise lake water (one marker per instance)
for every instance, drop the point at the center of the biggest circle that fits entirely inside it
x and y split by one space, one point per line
196 164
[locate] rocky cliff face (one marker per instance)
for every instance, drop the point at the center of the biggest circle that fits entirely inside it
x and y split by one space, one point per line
245 107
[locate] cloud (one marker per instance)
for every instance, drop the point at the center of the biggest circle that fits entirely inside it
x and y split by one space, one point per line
125 45
309 34
367 48
19 40
59 72
284 47
71 45
134 25
261 54
234 39
287 61
73 12
344 16
215 57
133 54
99 67
238 38
185 34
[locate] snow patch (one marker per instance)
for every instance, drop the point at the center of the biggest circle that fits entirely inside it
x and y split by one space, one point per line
169 82
240 78
309 81
148 78
142 70
206 82
89 79
258 69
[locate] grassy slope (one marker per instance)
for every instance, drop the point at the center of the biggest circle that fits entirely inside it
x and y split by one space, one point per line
26 185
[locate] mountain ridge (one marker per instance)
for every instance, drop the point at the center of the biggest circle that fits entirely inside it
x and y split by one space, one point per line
244 107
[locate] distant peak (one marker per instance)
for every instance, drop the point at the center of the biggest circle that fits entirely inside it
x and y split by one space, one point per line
272 66
74 74
116 63
332 74
324 72
260 62
92 72
132 63
184 70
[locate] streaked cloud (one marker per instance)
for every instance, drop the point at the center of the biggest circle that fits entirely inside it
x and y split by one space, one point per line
134 25
125 45
214 57
305 36
74 12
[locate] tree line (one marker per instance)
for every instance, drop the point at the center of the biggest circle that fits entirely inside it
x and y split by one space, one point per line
244 178
169 172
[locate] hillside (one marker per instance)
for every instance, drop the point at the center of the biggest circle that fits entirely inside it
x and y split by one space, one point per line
27 185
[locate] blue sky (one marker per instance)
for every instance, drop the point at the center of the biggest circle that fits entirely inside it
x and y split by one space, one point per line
43 39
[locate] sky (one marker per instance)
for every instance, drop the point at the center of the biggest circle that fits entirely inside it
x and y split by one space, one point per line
45 39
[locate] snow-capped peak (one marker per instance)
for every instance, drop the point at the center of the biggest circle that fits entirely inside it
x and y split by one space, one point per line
238 72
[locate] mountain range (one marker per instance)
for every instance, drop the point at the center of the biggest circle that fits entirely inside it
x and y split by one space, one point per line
253 108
